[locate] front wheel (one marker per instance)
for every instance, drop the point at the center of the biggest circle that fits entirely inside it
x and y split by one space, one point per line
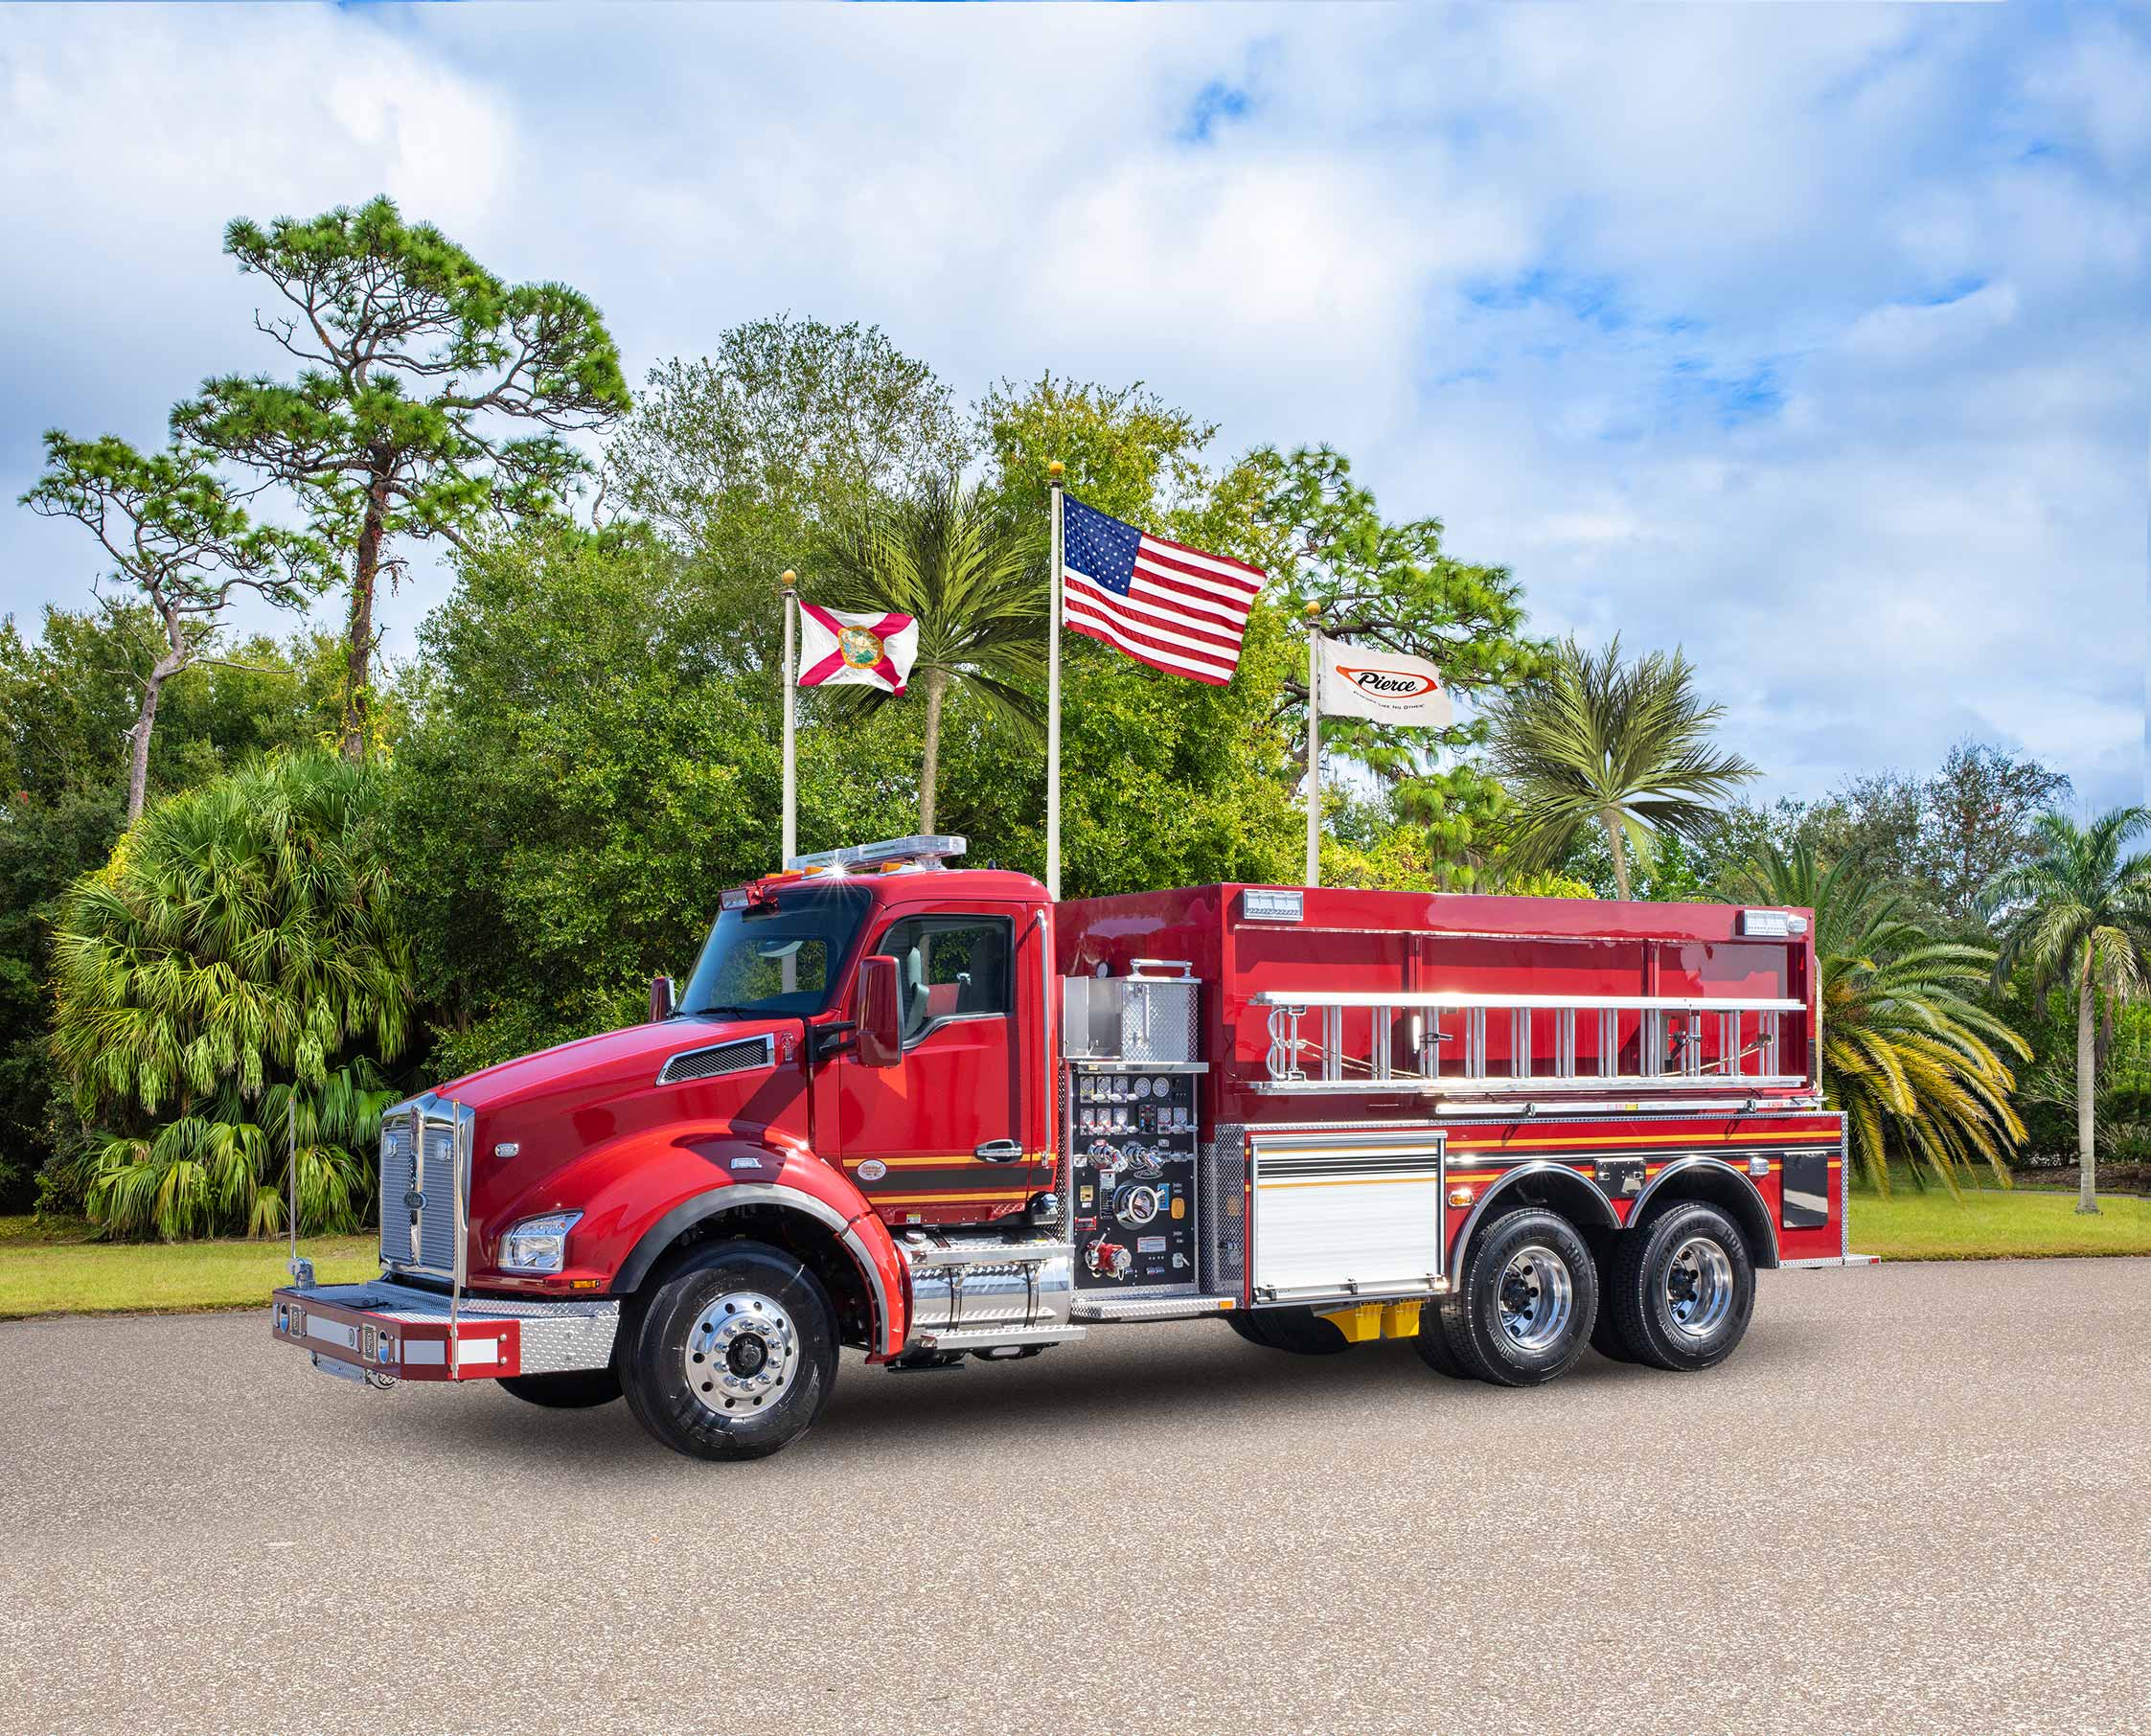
1524 1312
734 1354
1683 1290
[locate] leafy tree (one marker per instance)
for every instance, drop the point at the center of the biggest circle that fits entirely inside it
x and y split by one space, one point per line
43 846
1940 839
1392 585
1979 817
242 939
579 778
1166 781
1623 747
2080 914
1907 1054
1127 452
417 366
977 588
747 458
180 542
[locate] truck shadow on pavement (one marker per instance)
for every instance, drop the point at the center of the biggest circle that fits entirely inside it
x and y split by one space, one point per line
1070 1396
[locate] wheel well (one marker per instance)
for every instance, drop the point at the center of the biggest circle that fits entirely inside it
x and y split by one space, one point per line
810 1243
1551 1187
1732 1193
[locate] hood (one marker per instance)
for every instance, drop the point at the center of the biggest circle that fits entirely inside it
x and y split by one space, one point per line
609 1062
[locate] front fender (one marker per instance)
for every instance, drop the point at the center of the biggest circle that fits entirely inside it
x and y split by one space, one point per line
641 1194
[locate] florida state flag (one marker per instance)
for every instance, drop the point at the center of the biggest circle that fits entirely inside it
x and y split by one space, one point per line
837 647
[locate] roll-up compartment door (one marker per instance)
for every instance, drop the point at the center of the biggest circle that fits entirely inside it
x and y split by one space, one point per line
1346 1214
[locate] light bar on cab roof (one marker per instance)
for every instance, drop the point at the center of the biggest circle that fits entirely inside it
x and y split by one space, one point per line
922 851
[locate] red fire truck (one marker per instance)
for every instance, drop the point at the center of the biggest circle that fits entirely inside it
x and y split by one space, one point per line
924 1112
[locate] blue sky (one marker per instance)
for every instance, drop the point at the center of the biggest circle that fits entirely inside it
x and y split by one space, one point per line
1812 340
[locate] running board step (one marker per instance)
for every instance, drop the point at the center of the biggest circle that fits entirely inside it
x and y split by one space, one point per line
992 1337
1149 1308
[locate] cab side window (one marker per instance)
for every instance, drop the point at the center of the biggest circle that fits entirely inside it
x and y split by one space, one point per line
949 968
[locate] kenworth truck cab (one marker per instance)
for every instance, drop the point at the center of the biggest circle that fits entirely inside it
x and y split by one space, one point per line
924 1112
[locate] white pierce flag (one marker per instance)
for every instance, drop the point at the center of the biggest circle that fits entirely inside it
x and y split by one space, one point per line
1385 686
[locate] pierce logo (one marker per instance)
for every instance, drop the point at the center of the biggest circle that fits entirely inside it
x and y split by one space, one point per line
1390 683
872 1170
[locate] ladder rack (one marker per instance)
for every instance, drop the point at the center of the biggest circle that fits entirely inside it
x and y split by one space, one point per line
1669 1037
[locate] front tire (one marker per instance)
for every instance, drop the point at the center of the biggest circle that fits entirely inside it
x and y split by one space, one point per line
575 1389
734 1354
1524 1310
1683 1290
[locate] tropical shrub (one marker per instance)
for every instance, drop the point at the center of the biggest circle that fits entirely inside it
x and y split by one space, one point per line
230 984
1906 1054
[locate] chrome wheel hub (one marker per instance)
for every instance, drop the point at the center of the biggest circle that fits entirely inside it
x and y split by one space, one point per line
743 1352
1535 1299
1699 1287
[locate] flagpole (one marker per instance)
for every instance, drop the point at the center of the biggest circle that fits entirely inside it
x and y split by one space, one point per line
1053 700
790 701
1314 747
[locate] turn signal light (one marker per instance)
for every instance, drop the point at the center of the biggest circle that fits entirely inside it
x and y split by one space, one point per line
1461 1196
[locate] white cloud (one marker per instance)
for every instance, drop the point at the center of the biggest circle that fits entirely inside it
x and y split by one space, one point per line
1814 341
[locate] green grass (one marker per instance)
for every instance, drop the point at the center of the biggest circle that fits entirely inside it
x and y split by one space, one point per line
58 1269
48 1268
1992 1223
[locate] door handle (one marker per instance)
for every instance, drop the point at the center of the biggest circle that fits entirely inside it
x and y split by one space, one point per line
998 1151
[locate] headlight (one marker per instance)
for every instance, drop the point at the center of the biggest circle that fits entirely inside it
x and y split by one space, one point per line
537 1244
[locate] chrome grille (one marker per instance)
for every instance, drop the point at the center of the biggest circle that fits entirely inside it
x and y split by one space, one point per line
435 1185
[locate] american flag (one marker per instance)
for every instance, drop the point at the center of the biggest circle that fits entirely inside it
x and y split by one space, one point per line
1163 603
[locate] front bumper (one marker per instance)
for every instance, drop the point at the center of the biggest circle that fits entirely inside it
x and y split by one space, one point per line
391 1331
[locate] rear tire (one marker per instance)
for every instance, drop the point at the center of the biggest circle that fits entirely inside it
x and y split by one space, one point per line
576 1390
1434 1343
733 1354
1299 1331
1524 1310
1683 1290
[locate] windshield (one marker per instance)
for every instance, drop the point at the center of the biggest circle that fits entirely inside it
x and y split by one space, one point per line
780 956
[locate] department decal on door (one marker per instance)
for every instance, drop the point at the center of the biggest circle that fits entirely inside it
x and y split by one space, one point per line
872 1170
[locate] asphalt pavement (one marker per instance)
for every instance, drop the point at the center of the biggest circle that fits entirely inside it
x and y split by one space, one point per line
1917 1500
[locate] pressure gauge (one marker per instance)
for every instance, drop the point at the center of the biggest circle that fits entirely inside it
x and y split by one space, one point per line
1120 1116
1161 1087
1142 1088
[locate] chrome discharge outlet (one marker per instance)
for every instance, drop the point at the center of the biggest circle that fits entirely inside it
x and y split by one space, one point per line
985 1292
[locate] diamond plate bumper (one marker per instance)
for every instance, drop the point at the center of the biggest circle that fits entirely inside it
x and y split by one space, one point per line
402 1332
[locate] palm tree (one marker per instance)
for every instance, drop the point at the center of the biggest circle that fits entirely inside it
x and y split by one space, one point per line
227 981
1625 748
977 591
2079 913
1908 1056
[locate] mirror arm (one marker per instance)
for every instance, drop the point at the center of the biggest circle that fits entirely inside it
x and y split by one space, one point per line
827 1040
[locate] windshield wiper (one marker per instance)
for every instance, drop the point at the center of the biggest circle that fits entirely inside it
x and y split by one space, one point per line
723 1012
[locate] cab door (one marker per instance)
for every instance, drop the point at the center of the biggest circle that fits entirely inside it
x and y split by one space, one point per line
938 1138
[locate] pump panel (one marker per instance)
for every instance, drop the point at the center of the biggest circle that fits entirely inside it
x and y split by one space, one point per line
1131 1205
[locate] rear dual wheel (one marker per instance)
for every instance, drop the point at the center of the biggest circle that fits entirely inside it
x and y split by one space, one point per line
1680 1289
1299 1331
1523 1310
